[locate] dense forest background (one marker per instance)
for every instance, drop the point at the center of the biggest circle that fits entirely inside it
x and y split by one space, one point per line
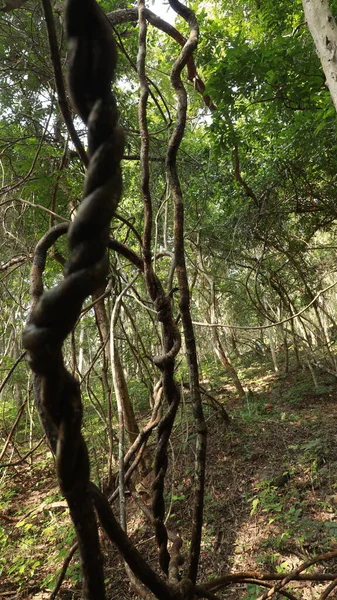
227 242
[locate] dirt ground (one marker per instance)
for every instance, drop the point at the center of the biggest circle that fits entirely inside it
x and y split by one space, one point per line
270 501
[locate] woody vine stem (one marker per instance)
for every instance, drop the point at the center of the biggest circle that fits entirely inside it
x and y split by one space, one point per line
92 62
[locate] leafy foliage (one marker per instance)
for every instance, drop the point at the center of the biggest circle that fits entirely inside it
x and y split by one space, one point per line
258 174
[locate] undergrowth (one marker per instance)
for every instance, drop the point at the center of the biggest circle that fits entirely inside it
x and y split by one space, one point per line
270 499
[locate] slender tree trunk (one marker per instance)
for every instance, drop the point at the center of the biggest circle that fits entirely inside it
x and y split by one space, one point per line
272 349
130 422
312 373
226 362
286 350
219 349
235 346
102 323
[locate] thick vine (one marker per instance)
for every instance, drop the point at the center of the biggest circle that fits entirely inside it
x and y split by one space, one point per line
92 62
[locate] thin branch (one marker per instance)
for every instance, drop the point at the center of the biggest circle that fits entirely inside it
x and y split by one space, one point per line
63 572
239 178
59 81
113 351
230 578
131 14
131 226
12 369
33 205
15 424
276 324
23 458
13 261
328 590
9 188
284 593
278 586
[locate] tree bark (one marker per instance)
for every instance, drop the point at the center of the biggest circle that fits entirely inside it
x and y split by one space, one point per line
323 29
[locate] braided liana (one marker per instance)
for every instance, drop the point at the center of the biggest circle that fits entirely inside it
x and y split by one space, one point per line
162 302
92 62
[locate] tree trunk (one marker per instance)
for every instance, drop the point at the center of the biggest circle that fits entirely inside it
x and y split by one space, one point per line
323 29
272 349
120 384
226 362
102 323
218 347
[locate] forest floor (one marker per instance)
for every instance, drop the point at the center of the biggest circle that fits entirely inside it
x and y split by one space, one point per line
270 503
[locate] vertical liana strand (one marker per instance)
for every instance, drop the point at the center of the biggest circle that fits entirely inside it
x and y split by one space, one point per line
184 302
160 466
144 136
92 62
162 303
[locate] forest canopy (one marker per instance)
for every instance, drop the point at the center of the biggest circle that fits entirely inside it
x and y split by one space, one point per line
168 266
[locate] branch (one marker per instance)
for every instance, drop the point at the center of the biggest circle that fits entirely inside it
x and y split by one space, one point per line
142 437
170 333
284 593
16 422
322 26
11 370
130 554
119 399
24 457
277 323
131 14
328 590
276 588
12 5
122 249
230 578
13 261
63 572
59 81
239 178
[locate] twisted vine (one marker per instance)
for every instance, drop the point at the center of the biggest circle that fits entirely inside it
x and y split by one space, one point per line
162 303
92 62
184 302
